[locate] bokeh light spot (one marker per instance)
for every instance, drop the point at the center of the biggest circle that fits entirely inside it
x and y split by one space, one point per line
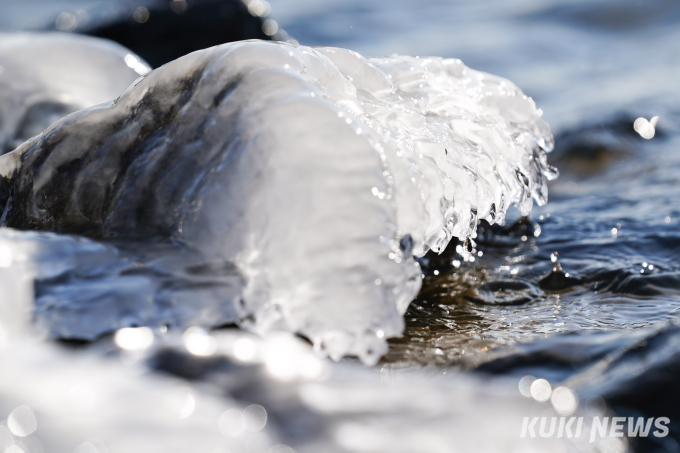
22 422
541 390
232 423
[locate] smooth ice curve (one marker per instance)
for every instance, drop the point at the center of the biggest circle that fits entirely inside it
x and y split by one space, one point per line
45 76
315 172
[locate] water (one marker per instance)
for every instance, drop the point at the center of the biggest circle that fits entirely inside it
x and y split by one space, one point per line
615 229
593 67
608 329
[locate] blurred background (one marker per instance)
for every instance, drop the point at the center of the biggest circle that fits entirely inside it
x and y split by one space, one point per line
578 59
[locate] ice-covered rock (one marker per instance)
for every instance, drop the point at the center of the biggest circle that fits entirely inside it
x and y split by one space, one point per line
45 76
315 172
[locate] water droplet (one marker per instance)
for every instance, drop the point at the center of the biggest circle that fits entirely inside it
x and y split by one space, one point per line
645 128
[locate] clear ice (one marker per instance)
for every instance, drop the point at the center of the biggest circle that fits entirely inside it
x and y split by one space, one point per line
308 178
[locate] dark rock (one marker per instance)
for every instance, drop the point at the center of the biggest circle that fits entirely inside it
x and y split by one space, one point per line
591 148
507 235
610 15
189 366
636 372
163 30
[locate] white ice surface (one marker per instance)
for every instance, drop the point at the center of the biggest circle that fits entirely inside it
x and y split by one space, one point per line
44 76
347 158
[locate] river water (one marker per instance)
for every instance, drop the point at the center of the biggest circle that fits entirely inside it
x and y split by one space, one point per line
594 67
613 215
585 292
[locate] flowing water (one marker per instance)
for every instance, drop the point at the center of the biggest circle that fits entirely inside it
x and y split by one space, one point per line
583 292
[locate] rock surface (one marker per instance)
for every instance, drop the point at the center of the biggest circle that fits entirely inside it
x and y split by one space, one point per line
163 30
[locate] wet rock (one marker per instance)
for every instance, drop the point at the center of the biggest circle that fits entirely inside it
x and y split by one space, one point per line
494 235
611 16
163 30
591 148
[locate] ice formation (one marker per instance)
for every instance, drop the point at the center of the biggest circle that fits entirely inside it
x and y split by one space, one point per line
106 399
45 76
310 175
